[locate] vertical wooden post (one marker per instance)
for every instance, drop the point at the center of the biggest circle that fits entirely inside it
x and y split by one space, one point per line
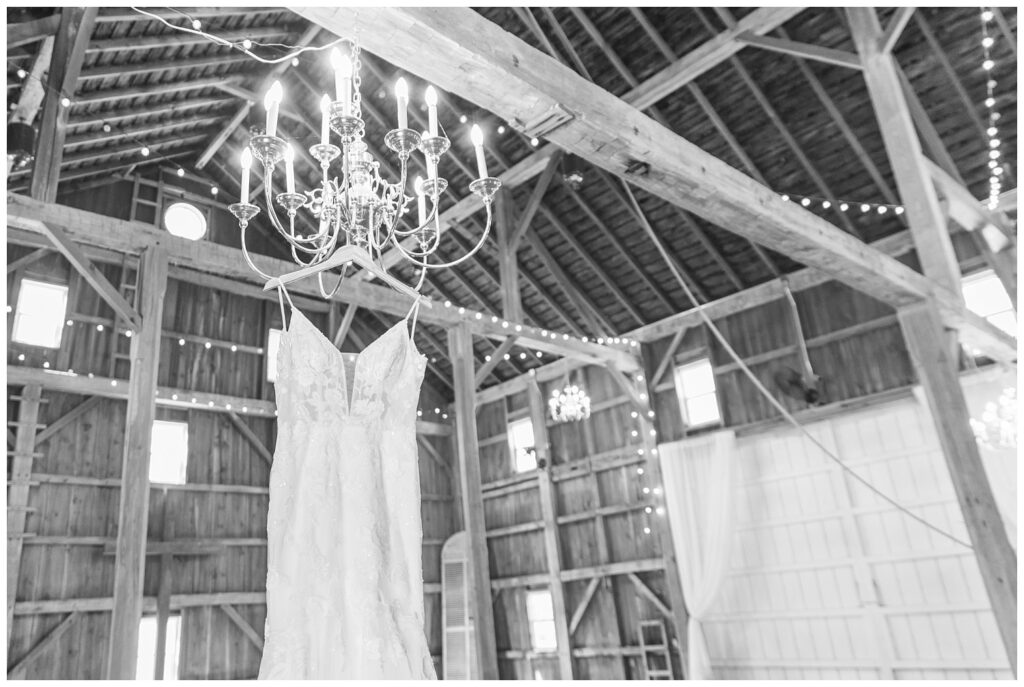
68 54
660 523
130 562
460 347
17 495
549 513
936 370
508 246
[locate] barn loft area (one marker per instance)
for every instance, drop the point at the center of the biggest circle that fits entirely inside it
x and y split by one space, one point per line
721 382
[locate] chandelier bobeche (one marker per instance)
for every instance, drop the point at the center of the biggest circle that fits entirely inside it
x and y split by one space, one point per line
361 208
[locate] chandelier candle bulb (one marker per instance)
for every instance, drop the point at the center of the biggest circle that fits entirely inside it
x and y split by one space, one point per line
246 165
431 99
289 169
421 200
325 119
477 136
402 96
272 102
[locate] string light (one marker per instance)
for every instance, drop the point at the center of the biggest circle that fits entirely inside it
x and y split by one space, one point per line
988 64
842 206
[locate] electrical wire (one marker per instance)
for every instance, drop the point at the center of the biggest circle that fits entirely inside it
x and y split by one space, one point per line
768 395
296 50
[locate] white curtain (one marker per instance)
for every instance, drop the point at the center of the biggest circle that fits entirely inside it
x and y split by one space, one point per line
699 494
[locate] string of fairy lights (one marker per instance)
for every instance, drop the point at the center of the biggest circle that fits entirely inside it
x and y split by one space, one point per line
988 65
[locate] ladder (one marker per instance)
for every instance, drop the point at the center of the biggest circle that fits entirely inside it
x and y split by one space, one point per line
655 651
128 288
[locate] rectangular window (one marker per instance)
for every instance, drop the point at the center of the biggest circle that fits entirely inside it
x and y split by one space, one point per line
984 294
273 344
168 452
540 612
39 318
145 665
521 442
695 387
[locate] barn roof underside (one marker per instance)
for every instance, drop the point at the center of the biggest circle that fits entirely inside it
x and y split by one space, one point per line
803 128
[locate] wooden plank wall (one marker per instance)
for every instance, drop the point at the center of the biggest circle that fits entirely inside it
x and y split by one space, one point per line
828 581
600 508
225 498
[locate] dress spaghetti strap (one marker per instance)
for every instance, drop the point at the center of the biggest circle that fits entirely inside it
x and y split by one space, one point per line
282 294
414 311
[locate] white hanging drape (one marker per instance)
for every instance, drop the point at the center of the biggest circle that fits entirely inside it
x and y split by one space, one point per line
699 494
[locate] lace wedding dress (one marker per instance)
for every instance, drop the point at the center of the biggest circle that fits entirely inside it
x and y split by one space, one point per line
344 579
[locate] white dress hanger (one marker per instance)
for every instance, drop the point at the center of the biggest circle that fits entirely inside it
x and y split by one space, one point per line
356 255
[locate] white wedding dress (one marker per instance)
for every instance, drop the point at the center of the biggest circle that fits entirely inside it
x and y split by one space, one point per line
344 571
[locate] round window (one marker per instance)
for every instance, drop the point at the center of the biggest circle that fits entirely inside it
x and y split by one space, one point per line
184 220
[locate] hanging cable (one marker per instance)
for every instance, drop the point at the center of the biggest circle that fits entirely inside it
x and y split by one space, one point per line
768 395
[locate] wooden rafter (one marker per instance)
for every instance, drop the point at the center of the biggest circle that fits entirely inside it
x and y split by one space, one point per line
32 31
178 39
807 51
685 175
32 91
895 28
68 54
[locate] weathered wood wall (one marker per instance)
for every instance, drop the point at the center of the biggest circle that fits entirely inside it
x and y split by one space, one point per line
599 506
74 482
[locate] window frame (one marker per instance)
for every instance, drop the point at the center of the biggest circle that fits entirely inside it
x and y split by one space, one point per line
512 447
532 622
171 637
985 274
19 315
184 462
688 360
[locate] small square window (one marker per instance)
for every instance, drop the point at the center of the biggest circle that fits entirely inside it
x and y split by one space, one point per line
540 612
168 453
145 664
695 387
273 345
985 295
522 444
39 318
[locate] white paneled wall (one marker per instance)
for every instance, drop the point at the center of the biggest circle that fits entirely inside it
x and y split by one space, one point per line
828 580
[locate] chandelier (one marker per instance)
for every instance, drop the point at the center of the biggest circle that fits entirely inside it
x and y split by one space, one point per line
570 404
997 427
358 209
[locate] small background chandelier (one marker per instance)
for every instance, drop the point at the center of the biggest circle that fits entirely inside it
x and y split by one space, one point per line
997 427
570 404
358 209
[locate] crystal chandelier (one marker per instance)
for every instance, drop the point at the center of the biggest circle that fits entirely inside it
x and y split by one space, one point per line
570 404
359 208
997 427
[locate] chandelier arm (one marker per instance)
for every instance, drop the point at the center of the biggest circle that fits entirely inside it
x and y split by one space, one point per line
296 242
408 256
245 254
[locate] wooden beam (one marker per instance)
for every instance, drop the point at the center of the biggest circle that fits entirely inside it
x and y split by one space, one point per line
895 28
549 515
32 91
17 671
17 494
178 38
647 593
91 274
936 370
840 58
27 32
130 561
682 173
250 436
499 354
536 196
68 53
460 344
26 260
67 418
250 633
925 216
105 232
508 246
346 324
584 604
969 212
